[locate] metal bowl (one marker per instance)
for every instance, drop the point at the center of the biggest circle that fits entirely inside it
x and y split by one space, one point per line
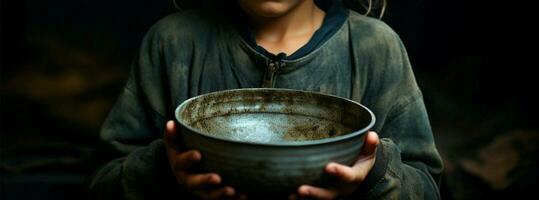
270 141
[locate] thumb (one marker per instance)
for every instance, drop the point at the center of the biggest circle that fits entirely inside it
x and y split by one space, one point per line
170 134
370 145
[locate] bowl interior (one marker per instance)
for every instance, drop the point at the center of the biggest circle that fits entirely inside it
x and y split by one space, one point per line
272 115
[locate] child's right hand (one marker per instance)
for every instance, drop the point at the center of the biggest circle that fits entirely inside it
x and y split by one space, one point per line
181 164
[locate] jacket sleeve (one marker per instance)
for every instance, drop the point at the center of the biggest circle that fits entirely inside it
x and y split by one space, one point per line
134 127
407 165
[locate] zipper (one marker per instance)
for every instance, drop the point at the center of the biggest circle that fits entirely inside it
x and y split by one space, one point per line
272 68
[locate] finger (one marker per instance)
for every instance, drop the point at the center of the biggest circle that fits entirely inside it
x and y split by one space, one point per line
316 192
342 172
186 160
370 145
169 135
198 181
293 197
242 197
238 197
217 194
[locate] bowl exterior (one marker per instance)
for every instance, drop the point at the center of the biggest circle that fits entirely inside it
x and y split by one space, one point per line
270 170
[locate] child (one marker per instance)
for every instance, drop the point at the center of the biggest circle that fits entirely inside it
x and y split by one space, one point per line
300 44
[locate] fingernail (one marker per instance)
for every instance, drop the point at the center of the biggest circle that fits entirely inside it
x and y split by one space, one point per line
303 191
195 156
230 191
214 180
331 169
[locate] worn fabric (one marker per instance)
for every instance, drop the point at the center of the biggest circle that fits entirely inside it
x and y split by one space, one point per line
187 54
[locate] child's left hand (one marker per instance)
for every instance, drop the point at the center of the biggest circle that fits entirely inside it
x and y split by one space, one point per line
350 177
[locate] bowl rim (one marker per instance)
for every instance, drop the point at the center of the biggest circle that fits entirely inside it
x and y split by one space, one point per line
285 143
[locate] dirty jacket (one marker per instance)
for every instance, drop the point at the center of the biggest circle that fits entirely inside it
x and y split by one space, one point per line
188 54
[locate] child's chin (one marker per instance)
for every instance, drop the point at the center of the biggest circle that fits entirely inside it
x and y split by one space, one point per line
271 8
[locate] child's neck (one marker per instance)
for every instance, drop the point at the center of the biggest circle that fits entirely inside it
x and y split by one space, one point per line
289 32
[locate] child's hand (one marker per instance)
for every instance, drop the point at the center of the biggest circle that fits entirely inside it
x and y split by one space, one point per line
181 164
350 177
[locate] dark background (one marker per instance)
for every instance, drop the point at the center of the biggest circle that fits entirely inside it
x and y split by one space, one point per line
64 62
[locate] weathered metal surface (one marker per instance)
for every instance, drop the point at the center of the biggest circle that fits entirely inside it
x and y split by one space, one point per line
270 141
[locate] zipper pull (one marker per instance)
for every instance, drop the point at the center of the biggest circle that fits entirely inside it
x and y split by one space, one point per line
272 67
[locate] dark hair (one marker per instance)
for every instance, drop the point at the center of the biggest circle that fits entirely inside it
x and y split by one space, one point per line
374 8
